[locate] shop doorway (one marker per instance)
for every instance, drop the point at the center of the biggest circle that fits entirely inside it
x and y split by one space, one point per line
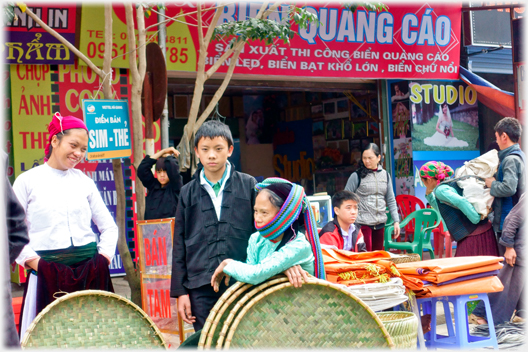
307 132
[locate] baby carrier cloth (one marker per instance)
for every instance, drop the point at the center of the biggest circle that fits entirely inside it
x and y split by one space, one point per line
474 188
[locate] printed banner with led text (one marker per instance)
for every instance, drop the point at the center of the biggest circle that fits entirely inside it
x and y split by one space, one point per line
416 40
28 43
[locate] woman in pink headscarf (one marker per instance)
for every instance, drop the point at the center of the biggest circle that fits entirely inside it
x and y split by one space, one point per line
63 254
474 235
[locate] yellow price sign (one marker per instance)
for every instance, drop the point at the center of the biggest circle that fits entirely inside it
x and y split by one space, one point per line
181 51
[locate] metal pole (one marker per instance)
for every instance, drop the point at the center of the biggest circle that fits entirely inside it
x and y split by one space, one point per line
165 116
514 66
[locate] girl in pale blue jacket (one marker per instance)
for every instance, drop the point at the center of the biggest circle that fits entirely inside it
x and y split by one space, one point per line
278 246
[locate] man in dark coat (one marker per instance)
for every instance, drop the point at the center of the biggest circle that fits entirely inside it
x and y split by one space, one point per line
13 241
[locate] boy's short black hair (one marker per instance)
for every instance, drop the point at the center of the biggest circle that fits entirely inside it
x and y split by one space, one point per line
339 197
511 127
212 129
160 164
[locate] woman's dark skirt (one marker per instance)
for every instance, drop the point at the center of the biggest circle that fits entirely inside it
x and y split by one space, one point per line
481 244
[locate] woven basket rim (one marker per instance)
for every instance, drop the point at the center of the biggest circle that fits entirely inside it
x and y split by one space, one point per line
311 281
212 313
213 323
270 283
89 293
398 316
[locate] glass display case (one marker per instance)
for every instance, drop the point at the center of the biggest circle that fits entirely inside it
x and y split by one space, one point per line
322 207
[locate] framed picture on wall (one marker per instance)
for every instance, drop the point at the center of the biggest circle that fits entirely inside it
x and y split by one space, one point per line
399 91
336 108
317 110
329 108
373 129
333 130
360 130
318 128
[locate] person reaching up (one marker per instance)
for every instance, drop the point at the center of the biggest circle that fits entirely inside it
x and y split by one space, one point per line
163 190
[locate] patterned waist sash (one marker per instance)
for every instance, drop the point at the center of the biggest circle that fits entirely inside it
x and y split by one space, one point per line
71 255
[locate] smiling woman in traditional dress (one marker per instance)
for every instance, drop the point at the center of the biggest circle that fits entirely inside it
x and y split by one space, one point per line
63 254
278 246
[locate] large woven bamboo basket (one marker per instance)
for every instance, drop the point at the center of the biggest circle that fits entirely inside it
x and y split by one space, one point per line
317 315
92 319
402 327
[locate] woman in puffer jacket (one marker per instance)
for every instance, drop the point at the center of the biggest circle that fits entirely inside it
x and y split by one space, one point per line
373 185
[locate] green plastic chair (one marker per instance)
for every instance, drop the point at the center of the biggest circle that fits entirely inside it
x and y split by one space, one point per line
425 221
389 217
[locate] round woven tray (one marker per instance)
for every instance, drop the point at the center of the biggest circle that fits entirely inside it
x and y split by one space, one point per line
317 315
407 258
402 327
241 302
221 316
92 319
230 292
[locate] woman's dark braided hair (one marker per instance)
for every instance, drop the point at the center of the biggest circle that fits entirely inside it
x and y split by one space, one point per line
362 170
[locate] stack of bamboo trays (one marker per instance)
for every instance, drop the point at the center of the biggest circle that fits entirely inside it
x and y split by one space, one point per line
274 314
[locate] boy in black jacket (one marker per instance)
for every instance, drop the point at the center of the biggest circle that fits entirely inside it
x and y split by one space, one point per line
214 221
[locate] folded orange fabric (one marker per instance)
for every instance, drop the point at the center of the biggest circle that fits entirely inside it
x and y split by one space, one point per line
356 273
447 265
338 261
438 278
480 285
411 283
341 256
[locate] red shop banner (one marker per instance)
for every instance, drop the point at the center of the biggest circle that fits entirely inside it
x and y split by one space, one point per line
416 40
27 43
407 41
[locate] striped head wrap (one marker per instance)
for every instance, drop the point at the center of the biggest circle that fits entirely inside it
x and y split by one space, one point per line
289 212
437 170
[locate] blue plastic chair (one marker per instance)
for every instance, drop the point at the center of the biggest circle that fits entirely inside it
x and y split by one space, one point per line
425 221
